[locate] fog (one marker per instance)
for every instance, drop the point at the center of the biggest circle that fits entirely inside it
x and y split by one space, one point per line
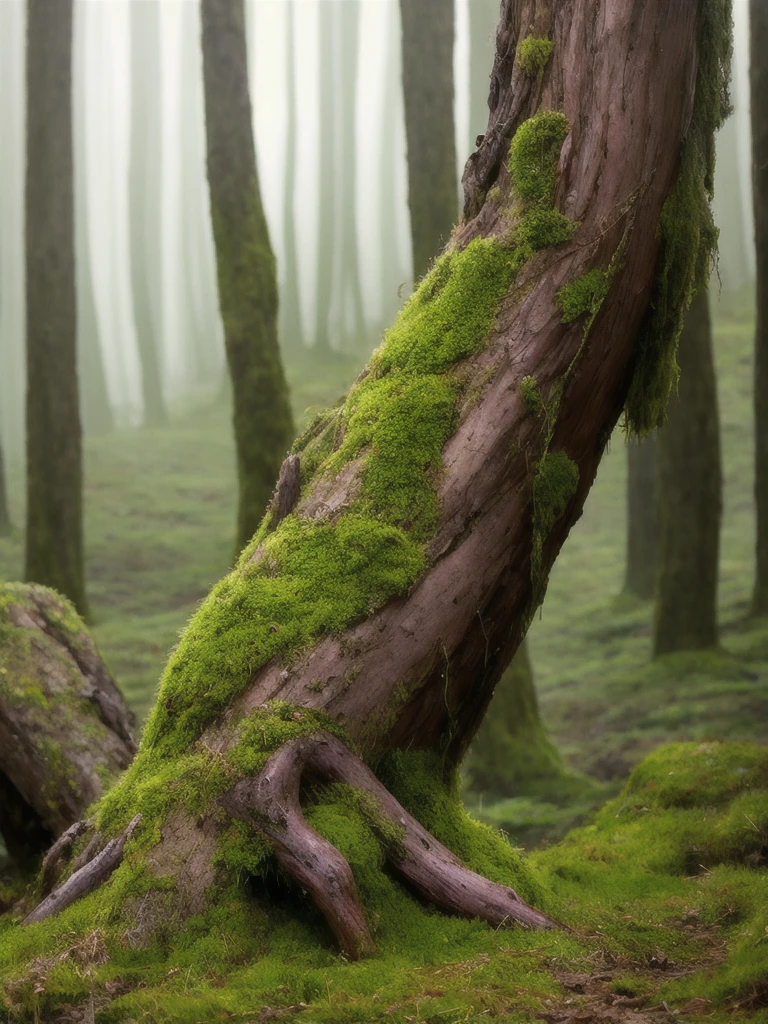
188 322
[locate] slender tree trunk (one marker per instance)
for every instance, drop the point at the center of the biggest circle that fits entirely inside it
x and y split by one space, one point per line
414 526
642 518
759 95
512 754
690 496
54 535
483 19
145 190
5 515
350 290
326 200
733 244
98 417
246 265
393 274
428 33
291 330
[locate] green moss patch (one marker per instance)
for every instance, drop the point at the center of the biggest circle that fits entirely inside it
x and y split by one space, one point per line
554 485
533 54
583 296
534 154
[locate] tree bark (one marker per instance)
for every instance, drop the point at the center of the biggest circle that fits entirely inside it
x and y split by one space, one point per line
642 518
428 34
54 535
758 16
291 330
381 603
145 191
98 417
512 754
246 265
690 497
65 731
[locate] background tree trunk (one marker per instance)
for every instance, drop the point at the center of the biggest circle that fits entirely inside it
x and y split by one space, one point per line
5 515
291 331
512 754
98 417
326 176
246 265
758 15
54 535
690 496
428 34
642 518
483 19
65 731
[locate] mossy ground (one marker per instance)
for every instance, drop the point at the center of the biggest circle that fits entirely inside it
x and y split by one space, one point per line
666 893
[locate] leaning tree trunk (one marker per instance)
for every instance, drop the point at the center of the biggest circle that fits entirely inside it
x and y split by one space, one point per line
428 33
65 732
145 192
246 265
54 535
414 526
758 18
642 518
690 497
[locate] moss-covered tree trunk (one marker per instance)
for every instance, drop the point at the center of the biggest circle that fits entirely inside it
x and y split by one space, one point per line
758 15
428 32
291 330
359 639
98 417
642 518
54 530
246 265
144 183
690 496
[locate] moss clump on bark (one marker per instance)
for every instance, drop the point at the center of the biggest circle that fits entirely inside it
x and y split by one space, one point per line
554 485
687 233
529 389
533 54
583 295
534 155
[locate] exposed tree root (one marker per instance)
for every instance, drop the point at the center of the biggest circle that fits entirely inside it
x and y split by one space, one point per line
270 802
59 855
84 880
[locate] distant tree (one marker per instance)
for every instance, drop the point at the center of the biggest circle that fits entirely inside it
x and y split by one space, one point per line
349 290
291 330
690 496
642 518
145 194
428 35
512 754
54 533
733 244
246 265
5 515
483 19
758 13
326 175
97 414
392 273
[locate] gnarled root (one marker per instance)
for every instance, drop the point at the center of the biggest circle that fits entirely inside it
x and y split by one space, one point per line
270 802
85 879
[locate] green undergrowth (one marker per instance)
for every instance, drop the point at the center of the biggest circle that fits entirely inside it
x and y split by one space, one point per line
687 232
666 893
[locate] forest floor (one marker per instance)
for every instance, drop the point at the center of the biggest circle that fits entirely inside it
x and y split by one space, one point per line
667 910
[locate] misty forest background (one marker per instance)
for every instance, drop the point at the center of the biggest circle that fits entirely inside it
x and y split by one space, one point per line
160 475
